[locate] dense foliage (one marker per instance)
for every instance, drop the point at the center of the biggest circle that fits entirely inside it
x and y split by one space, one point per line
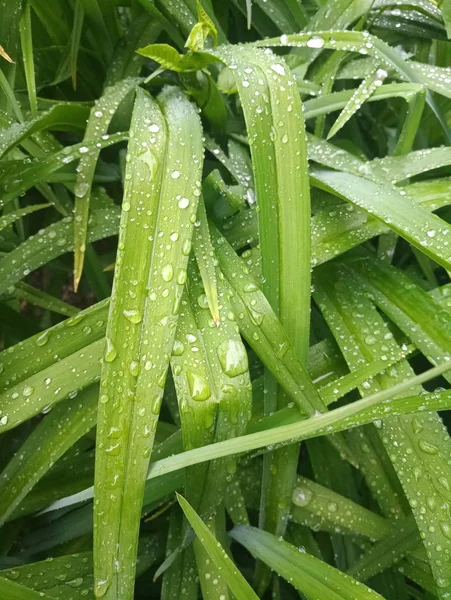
225 299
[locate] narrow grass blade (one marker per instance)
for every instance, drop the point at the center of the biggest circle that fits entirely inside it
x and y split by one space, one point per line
387 551
47 301
361 95
61 117
16 591
51 242
39 392
22 175
427 457
43 350
306 573
356 414
213 390
236 582
12 217
170 173
426 232
44 446
99 120
75 40
367 410
27 56
206 261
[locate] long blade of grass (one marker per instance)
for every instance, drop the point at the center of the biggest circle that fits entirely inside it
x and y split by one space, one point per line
172 172
427 457
99 120
57 433
27 56
236 582
306 573
426 232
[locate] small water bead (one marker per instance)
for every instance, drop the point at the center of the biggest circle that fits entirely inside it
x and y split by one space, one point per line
181 277
250 287
75 583
110 350
43 338
332 507
175 174
98 114
301 496
178 348
174 236
101 586
278 68
315 42
126 206
134 316
427 447
186 247
154 128
81 189
183 203
232 357
28 391
199 388
167 272
4 420
134 368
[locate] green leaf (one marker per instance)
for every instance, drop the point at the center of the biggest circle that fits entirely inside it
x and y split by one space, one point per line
44 446
16 591
99 120
128 413
306 573
426 232
236 582
206 261
201 30
169 58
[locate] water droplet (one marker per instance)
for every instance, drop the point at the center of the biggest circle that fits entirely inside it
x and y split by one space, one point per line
132 315
75 582
74 320
167 272
43 338
81 189
250 287
83 149
183 203
28 391
301 496
199 388
233 357
315 42
181 277
101 586
427 447
134 368
278 68
178 348
110 350
3 420
175 174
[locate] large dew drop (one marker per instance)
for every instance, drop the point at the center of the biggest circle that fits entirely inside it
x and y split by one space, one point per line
233 357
